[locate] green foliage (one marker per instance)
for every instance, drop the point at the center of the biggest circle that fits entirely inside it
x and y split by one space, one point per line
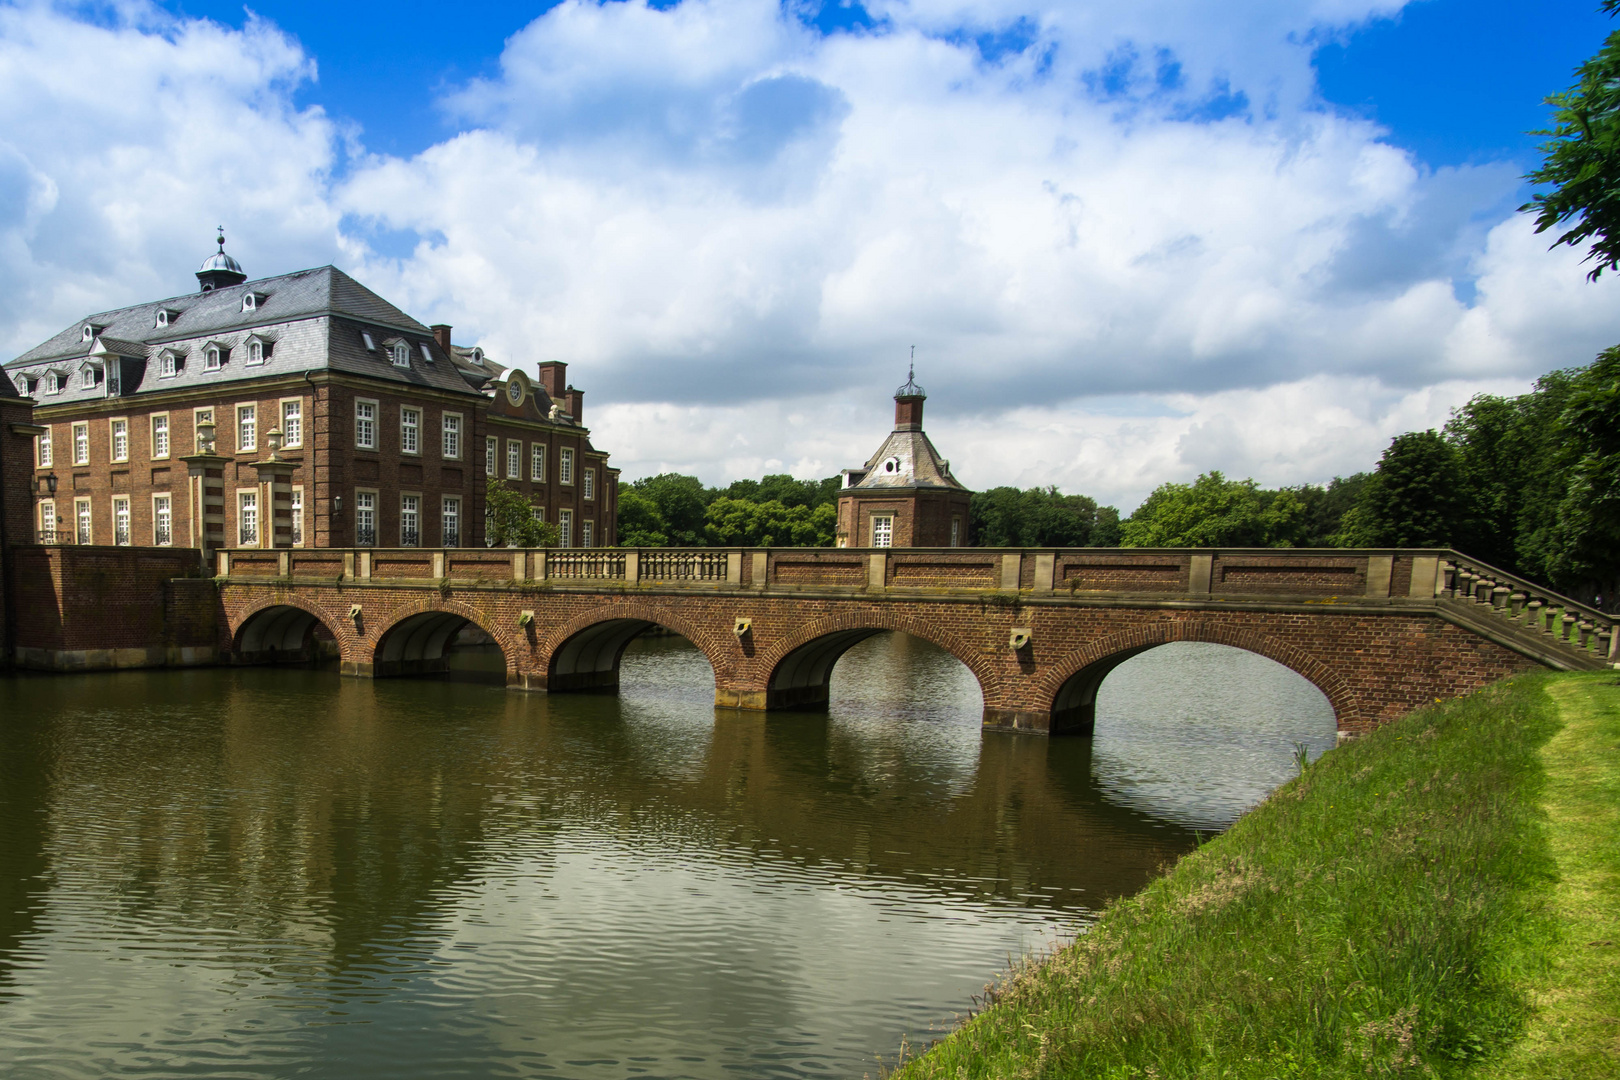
641 523
1582 159
1041 517
769 524
1585 540
1376 916
511 521
783 489
679 501
1415 498
1216 512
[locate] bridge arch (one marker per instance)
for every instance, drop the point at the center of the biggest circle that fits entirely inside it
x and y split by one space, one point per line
1071 686
800 666
418 637
286 630
584 653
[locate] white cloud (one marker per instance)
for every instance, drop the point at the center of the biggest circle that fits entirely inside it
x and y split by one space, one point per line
1135 248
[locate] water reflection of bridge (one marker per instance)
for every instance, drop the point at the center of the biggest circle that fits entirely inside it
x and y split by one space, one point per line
1378 632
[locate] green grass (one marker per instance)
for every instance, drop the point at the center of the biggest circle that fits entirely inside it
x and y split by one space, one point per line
1396 910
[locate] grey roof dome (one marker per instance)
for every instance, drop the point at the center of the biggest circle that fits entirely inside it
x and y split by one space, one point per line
911 389
219 270
221 261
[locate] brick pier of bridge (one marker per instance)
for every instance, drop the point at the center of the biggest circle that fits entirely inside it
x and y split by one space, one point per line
1378 632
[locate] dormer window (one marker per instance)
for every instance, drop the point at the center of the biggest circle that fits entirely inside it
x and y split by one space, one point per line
26 384
165 317
260 350
53 383
252 301
400 353
892 465
87 376
168 364
214 357
371 345
87 333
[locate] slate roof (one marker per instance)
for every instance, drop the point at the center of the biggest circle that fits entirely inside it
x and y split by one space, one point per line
314 316
918 465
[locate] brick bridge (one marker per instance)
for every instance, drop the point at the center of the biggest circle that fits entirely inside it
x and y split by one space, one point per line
1378 632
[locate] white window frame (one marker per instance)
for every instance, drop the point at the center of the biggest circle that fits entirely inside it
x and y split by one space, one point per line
365 423
537 462
491 452
45 450
450 510
250 410
410 430
84 523
292 439
213 358
365 501
450 441
587 533
118 431
565 528
514 459
162 508
255 352
120 508
87 377
161 435
297 536
886 538
587 484
47 516
81 443
53 383
410 503
565 466
399 354
168 364
246 499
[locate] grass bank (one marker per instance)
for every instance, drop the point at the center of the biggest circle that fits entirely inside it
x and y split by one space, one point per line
1418 902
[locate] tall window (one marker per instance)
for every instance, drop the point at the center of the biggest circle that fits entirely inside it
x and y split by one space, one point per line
410 430
47 454
81 515
213 357
247 427
565 528
47 521
292 423
452 521
956 532
514 459
537 462
587 534
401 353
255 352
450 429
587 485
489 456
160 435
365 425
247 519
297 536
410 520
87 377
81 445
565 466
53 383
162 520
365 518
121 520
119 430
882 531
168 366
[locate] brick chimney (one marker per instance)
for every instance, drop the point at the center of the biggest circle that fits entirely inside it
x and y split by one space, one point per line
908 412
576 404
554 380
441 334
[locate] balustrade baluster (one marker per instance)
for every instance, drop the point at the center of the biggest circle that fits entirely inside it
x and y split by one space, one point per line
1567 631
1515 606
1499 596
1532 614
1586 629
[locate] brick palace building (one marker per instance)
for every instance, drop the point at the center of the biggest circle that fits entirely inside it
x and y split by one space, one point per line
386 430
905 495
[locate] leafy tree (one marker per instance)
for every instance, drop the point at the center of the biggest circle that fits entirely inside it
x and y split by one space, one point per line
1414 499
641 523
1586 534
1325 507
511 521
1582 159
1040 517
680 502
769 524
1216 512
785 490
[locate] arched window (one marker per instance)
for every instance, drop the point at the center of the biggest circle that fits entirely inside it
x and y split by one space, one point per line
402 355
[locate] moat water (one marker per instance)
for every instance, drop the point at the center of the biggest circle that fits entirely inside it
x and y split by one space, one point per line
281 872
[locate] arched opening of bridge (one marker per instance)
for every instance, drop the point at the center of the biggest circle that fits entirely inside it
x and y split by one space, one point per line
283 634
1194 732
876 671
441 644
594 660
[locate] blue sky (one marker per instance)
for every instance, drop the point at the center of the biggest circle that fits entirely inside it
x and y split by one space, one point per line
1131 242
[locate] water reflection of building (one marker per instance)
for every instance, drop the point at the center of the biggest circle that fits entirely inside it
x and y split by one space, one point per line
905 495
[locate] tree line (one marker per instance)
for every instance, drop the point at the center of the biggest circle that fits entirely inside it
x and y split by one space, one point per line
1530 484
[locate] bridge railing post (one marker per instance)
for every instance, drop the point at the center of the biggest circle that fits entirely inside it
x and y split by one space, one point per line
1380 568
1045 571
734 568
761 569
1200 570
877 570
1011 571
632 567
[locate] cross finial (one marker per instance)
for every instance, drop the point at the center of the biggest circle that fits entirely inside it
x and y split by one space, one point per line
221 240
